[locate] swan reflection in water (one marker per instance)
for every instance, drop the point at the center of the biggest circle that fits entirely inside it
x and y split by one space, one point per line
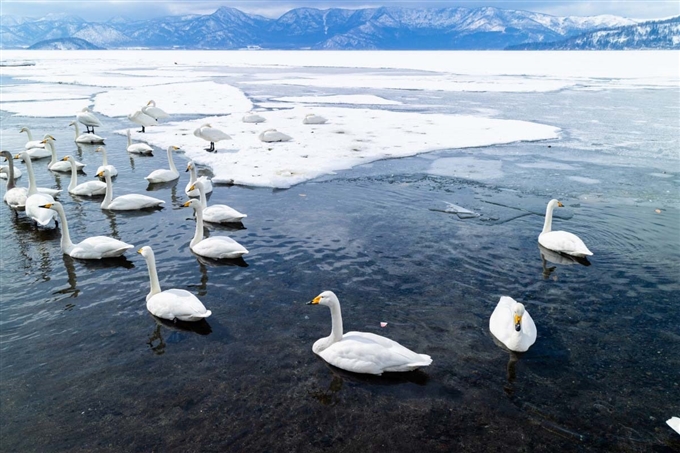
72 277
178 328
330 397
548 255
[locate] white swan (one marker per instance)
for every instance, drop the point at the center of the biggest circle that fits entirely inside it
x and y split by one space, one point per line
560 241
55 164
5 174
217 213
141 118
31 143
165 175
512 325
92 248
35 199
87 137
88 119
88 188
129 202
215 247
153 111
674 423
172 303
137 148
207 184
15 197
105 162
314 119
272 135
253 118
24 156
210 134
362 352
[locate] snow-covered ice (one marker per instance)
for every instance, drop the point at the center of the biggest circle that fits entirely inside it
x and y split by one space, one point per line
194 83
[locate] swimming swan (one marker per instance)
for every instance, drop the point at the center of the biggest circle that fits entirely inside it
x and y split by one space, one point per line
31 143
560 241
5 174
105 162
35 199
362 352
129 202
86 137
674 423
141 118
215 247
210 134
15 197
512 325
88 119
92 248
172 303
137 148
207 184
272 135
314 119
153 111
165 175
217 213
88 188
31 176
55 164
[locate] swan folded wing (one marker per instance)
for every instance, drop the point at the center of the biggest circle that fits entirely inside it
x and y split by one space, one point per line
222 213
96 247
220 247
162 175
177 304
41 215
134 201
564 242
363 352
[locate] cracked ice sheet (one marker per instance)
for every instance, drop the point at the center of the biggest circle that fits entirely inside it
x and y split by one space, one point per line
366 99
204 98
41 92
351 137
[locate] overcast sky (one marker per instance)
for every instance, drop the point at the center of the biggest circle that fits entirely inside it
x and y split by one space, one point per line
102 10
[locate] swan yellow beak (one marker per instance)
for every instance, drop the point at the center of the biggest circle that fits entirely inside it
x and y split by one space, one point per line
559 204
314 301
46 206
193 187
187 204
518 322
17 156
100 174
64 158
139 251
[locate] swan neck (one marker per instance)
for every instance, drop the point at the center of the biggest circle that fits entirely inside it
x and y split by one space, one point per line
28 132
109 192
10 176
201 197
74 175
153 277
54 154
336 322
105 160
198 234
192 172
128 137
171 162
75 123
32 188
66 244
547 225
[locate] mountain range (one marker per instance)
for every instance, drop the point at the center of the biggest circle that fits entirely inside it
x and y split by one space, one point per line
384 28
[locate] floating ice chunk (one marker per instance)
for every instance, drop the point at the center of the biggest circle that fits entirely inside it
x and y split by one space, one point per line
461 212
674 422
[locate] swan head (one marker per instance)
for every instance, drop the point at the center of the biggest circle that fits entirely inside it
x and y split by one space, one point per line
85 109
6 154
146 252
190 165
23 156
52 205
555 204
105 172
67 158
194 203
72 123
327 298
23 129
151 102
173 148
517 313
100 149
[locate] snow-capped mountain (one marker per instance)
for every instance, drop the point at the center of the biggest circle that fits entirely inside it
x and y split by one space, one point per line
64 44
663 34
369 28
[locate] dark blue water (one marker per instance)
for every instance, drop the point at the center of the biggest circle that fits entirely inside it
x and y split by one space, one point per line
84 367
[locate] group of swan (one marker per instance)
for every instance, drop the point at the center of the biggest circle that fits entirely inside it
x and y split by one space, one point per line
88 188
147 115
56 164
205 182
217 213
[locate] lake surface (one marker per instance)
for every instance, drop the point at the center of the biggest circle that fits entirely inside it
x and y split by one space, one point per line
84 367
